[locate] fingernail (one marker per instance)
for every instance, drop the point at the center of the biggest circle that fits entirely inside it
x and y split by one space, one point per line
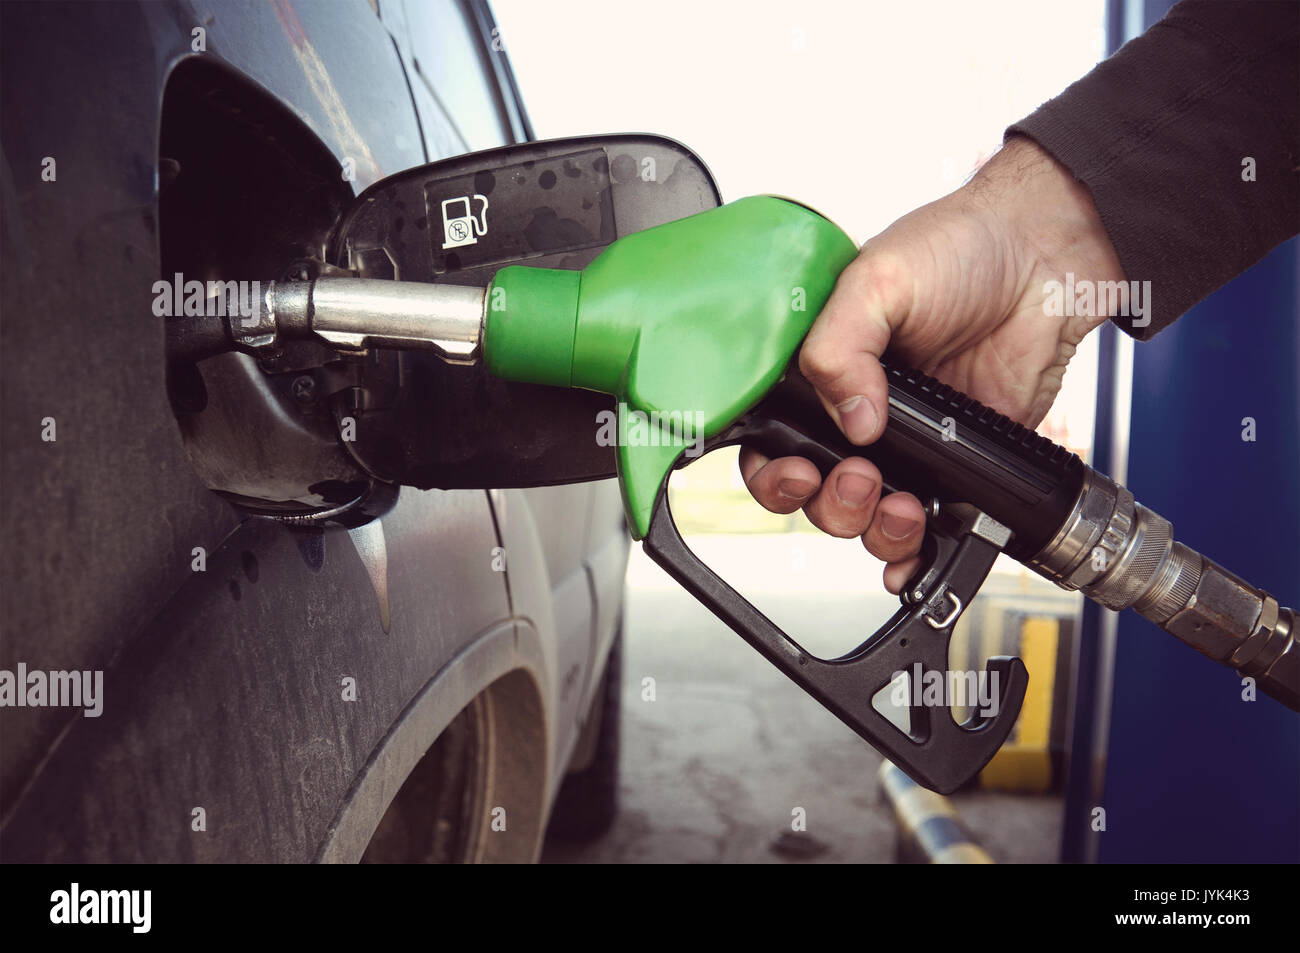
897 527
853 489
858 418
795 489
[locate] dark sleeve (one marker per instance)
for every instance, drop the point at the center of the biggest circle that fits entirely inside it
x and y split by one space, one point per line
1160 133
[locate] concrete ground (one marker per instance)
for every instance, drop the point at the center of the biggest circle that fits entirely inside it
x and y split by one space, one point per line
715 766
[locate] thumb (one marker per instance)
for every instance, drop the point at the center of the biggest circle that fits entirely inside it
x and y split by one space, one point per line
841 354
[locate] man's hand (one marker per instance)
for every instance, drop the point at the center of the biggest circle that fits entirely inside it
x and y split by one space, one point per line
956 290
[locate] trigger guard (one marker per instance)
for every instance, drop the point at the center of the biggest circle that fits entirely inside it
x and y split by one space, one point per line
936 751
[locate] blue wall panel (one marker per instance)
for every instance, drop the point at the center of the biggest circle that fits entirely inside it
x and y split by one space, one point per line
1193 772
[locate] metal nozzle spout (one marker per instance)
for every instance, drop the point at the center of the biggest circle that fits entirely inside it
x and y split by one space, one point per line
361 312
355 313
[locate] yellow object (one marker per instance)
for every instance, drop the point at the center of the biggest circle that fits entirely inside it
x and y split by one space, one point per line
1024 763
927 822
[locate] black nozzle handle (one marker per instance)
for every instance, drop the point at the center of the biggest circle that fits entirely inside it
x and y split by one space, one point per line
941 445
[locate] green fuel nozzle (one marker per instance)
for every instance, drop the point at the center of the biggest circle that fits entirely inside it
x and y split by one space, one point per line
693 321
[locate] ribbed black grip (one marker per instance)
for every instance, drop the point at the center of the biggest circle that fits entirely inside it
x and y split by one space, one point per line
939 443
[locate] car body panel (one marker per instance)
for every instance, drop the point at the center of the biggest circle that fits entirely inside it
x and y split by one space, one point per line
235 698
223 687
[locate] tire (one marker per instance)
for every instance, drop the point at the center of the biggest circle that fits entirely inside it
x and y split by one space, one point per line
588 800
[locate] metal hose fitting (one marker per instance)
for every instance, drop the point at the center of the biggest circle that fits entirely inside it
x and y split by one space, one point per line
1121 554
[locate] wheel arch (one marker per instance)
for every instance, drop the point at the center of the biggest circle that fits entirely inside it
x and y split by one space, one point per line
503 671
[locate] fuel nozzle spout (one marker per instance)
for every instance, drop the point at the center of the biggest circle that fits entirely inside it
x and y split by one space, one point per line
362 312
347 313
1121 554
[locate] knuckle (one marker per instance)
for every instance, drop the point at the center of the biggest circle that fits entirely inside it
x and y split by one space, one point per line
822 361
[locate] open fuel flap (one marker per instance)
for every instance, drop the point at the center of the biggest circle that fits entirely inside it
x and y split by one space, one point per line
409 417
